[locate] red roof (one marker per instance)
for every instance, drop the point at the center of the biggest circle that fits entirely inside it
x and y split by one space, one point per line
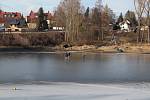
10 13
34 15
15 15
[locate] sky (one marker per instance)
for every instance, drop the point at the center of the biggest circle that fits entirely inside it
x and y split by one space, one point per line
25 6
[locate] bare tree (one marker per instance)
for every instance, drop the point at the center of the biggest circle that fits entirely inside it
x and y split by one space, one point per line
108 18
147 12
139 8
71 10
59 16
99 6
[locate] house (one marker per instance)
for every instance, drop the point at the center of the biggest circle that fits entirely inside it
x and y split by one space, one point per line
58 28
32 26
2 28
125 26
12 21
16 25
144 28
7 15
33 18
2 22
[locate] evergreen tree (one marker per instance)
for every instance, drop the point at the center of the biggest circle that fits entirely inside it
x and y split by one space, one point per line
23 22
120 19
87 12
45 24
41 23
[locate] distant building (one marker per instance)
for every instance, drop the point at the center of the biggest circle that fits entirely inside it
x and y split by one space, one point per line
58 28
33 18
2 28
16 25
4 16
12 21
125 26
144 28
2 22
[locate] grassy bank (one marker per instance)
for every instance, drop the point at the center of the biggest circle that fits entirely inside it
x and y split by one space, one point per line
54 41
31 39
126 48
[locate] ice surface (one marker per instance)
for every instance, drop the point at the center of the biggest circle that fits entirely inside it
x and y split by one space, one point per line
74 91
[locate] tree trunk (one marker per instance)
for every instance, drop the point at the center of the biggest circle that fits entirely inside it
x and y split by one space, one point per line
139 37
148 15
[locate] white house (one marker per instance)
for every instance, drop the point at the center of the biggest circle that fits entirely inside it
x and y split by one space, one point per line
125 26
58 28
144 28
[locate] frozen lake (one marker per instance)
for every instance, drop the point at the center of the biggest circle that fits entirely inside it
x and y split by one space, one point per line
81 67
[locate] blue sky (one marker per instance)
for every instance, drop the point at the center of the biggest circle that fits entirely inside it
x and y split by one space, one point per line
25 6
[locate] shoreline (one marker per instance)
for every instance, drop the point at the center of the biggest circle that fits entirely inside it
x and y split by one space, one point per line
126 49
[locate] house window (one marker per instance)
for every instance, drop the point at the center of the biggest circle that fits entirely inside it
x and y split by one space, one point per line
9 30
16 30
